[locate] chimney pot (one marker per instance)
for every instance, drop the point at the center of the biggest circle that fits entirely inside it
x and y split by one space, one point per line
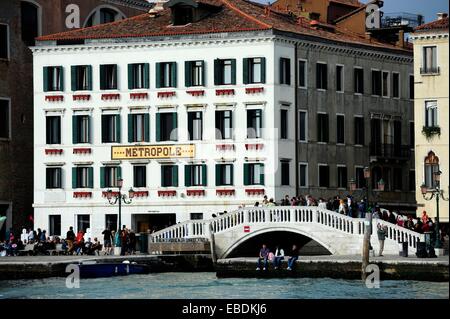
442 15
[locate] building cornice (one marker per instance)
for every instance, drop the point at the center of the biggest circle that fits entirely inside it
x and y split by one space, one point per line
429 36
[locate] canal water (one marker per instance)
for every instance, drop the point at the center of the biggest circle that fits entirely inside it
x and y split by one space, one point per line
208 286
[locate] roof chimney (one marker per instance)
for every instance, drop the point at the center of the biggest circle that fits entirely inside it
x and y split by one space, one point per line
158 7
442 15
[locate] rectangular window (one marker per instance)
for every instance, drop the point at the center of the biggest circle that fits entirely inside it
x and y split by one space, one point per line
195 175
111 128
398 183
111 221
83 222
411 87
322 128
110 175
385 91
284 124
412 180
81 76
195 126
138 128
342 177
321 76
302 73
253 174
339 78
53 79
224 125
376 82
138 76
139 176
166 127
358 75
194 73
82 177
395 85
224 174
108 77
340 125
169 176
4 41
285 174
5 126
254 70
225 72
324 176
53 129
285 71
431 116
303 175
360 180
429 63
303 126
54 222
254 123
166 75
412 142
53 177
359 130
80 129
196 216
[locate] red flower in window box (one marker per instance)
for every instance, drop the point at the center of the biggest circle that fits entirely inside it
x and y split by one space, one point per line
138 96
53 151
254 146
141 194
225 147
104 194
195 192
255 191
166 94
82 151
54 98
254 90
167 193
196 92
111 96
81 97
225 192
225 92
82 194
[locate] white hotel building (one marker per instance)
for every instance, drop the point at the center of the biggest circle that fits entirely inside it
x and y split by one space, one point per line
208 74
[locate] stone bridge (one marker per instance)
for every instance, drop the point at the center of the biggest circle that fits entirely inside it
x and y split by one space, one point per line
335 233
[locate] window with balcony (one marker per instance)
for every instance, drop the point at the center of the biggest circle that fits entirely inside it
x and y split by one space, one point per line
81 129
53 79
254 70
429 62
254 123
139 176
195 125
195 175
169 176
224 174
431 114
53 177
138 128
358 76
321 76
194 72
82 177
108 77
109 175
285 71
111 128
253 174
138 76
53 129
224 125
166 75
225 72
166 126
81 77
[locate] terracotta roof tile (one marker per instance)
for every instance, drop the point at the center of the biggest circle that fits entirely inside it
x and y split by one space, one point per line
435 25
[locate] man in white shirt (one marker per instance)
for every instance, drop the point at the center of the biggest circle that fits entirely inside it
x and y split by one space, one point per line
278 257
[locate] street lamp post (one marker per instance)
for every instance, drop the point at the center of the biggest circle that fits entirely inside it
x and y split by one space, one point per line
367 176
438 193
119 198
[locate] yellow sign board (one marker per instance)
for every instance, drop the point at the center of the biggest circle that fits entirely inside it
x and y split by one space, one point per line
152 151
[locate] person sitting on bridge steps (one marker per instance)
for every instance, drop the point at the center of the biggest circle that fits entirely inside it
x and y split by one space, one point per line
293 258
263 255
278 257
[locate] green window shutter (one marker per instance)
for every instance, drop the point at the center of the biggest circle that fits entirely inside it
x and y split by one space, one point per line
146 75
74 177
246 174
187 73
102 77
118 172
102 177
263 70
218 174
174 75
75 129
147 127
89 77
262 174
280 68
91 177
203 74
187 175
73 77
61 78
233 71
175 176
204 175
130 128
45 79
245 71
89 129
158 75
288 71
162 176
118 129
158 127
175 125
232 174
217 72
130 77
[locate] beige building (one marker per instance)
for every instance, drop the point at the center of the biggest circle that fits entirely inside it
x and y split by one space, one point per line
431 112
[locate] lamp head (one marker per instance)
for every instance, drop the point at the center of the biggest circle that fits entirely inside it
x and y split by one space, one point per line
423 189
131 193
120 182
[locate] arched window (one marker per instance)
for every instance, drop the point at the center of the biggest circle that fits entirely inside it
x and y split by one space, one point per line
103 15
431 167
30 22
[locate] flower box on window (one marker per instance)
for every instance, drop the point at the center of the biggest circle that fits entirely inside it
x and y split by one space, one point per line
225 192
81 97
254 90
53 151
110 96
225 147
141 194
225 92
255 191
54 98
113 194
82 194
166 94
430 131
195 192
82 151
254 146
138 96
167 193
196 92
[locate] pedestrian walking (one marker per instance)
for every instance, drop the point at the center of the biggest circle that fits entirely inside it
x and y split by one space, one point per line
382 232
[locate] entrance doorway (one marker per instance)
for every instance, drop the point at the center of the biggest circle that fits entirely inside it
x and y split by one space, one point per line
153 222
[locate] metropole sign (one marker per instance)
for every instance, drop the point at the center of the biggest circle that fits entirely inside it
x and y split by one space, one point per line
152 152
